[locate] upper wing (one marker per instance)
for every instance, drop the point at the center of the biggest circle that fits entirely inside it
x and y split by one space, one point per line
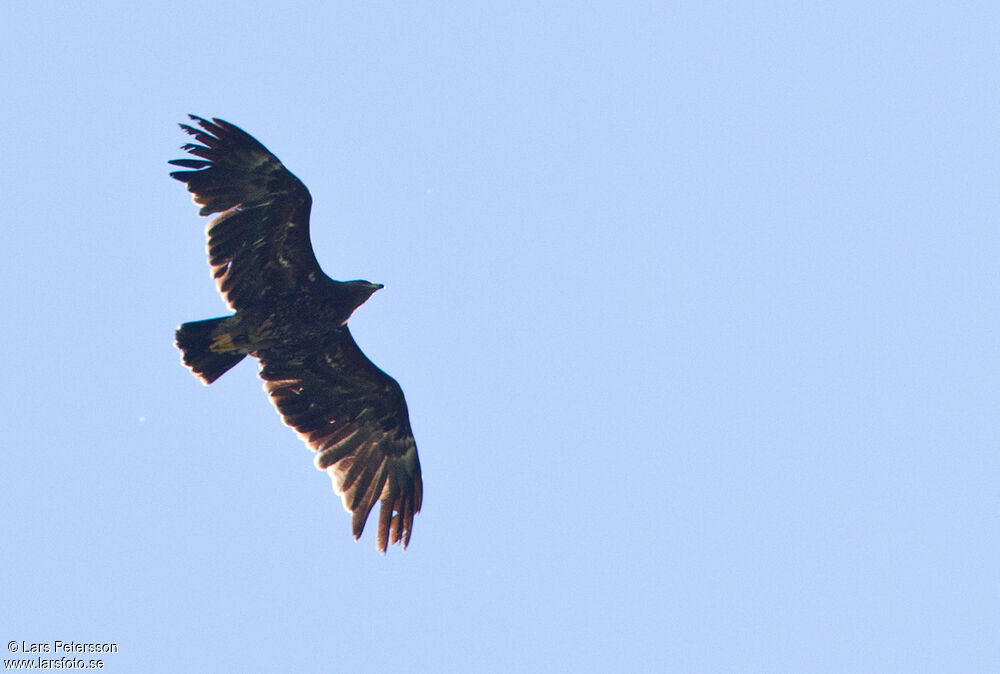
354 416
261 239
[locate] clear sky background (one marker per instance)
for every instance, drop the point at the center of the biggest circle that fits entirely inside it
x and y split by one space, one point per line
695 307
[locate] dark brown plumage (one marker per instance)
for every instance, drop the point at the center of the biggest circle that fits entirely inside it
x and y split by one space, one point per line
293 318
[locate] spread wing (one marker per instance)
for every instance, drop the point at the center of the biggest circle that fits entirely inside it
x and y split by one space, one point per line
260 242
354 416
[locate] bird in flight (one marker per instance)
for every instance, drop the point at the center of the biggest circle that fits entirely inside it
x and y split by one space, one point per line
292 317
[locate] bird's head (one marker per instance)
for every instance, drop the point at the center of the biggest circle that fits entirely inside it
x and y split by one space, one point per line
358 292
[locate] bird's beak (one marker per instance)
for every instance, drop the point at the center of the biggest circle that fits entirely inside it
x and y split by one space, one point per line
378 286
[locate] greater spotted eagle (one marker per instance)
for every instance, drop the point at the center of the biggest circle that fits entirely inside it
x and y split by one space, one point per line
293 318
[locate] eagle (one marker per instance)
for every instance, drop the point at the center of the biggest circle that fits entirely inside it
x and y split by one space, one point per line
292 317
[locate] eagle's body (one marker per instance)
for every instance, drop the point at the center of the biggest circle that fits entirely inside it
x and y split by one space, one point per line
293 318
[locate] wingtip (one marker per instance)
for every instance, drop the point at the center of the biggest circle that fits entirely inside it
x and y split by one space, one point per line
207 127
187 126
380 547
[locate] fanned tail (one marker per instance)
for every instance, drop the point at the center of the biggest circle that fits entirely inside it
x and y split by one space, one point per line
207 351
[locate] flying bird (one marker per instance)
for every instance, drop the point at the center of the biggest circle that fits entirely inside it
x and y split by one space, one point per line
292 317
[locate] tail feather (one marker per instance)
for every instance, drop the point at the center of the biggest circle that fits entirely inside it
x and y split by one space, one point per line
204 353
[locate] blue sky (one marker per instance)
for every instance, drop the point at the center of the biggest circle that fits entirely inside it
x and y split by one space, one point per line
695 308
